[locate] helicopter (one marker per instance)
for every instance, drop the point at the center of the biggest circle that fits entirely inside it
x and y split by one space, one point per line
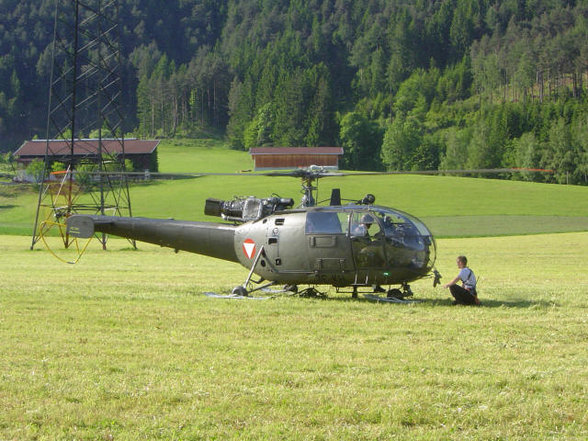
346 244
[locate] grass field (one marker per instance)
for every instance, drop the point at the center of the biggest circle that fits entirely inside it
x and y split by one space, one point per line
124 345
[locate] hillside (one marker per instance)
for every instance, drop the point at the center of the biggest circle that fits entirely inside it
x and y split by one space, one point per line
495 207
400 85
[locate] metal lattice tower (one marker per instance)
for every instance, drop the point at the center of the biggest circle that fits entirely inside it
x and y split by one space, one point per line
84 97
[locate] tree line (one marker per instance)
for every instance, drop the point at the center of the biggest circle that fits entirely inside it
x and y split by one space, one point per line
401 85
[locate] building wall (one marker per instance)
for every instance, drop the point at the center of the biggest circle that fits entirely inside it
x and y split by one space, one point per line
140 161
294 161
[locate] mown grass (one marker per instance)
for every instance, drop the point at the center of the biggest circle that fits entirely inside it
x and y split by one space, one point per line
125 345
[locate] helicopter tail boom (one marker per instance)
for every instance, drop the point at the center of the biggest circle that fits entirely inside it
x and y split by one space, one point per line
210 239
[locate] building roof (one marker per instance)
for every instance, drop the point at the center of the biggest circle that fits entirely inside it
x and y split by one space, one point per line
84 147
258 151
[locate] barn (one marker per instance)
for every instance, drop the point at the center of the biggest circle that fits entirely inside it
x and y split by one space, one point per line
142 153
265 158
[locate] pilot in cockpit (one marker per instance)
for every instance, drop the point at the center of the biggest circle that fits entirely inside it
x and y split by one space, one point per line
388 225
362 229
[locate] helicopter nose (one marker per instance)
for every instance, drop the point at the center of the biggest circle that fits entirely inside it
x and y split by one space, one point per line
428 253
423 249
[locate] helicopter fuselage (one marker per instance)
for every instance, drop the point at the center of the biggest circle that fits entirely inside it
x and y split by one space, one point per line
331 245
350 245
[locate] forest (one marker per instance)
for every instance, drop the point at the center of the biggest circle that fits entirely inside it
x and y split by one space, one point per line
399 84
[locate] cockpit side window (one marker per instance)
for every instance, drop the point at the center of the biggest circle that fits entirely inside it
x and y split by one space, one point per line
325 222
364 224
390 222
390 219
396 226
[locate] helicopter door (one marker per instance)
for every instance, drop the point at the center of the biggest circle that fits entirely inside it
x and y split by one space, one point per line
367 241
328 251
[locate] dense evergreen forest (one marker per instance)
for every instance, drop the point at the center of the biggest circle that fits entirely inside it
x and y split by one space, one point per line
400 84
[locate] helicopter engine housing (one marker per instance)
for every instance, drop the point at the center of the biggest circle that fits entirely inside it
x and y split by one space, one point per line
245 209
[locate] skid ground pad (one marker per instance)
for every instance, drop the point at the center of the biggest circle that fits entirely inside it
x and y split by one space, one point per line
388 299
232 296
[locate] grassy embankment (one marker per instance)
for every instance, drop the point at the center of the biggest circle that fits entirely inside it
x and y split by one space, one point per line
451 206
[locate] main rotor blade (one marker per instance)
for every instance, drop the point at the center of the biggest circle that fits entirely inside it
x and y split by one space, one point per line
449 172
159 175
302 173
306 173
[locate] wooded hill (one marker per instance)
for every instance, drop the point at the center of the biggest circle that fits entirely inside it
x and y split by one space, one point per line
400 84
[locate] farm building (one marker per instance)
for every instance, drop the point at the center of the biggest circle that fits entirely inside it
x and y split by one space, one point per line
295 157
142 153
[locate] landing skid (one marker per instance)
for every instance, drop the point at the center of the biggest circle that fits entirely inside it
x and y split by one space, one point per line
393 293
388 299
291 290
233 296
310 292
243 290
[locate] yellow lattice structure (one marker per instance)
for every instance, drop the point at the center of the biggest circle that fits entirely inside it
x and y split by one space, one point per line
61 202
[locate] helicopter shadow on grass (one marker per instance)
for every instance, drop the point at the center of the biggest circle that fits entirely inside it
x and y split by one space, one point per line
485 303
362 298
491 303
320 296
517 303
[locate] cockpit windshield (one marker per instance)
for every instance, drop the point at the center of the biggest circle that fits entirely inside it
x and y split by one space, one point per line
403 231
392 222
395 221
401 240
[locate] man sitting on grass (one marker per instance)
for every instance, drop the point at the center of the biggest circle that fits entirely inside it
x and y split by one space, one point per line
467 294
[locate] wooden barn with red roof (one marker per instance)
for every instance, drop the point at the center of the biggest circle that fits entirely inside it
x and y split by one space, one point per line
266 158
142 153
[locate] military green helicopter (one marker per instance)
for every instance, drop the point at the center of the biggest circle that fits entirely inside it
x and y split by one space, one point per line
349 245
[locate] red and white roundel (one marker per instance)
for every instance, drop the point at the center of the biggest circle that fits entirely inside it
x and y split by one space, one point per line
249 248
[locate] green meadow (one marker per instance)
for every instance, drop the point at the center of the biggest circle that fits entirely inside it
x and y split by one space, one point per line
124 345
